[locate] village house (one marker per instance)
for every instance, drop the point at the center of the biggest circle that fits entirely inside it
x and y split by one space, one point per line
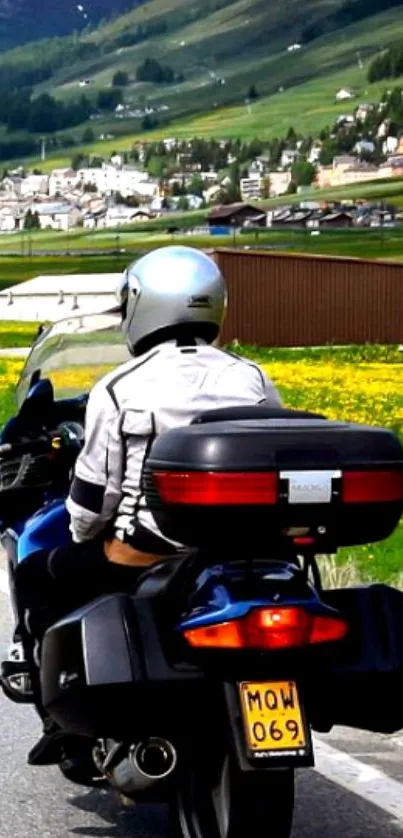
212 193
383 129
57 216
34 185
289 156
390 145
119 215
236 215
251 187
358 172
126 181
11 218
332 220
61 180
363 111
314 154
279 182
364 147
344 94
393 167
345 119
11 185
95 219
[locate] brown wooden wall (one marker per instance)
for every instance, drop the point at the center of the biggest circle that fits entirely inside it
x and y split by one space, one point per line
289 300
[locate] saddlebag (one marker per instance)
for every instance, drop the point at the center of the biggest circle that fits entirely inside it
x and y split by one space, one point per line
363 687
97 680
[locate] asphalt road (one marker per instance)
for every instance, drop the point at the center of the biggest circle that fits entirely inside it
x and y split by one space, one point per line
355 792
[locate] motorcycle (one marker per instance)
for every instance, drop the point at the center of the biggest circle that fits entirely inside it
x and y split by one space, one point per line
203 688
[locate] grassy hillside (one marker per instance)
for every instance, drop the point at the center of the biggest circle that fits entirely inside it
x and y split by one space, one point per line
243 42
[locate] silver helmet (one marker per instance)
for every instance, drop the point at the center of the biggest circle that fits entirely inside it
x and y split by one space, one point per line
171 291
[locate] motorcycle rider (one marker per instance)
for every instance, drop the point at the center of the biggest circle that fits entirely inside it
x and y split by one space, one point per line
173 302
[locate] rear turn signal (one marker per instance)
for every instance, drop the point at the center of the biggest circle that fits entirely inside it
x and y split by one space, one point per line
269 628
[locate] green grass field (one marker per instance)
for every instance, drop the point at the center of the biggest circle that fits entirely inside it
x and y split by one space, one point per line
362 384
386 244
17 269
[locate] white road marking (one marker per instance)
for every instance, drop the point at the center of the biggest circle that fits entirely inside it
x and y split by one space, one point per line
4 586
367 782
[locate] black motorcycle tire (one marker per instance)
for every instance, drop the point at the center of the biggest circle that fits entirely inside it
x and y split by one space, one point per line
231 804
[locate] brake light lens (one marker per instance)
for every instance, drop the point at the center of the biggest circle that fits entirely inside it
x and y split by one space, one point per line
270 628
207 488
372 487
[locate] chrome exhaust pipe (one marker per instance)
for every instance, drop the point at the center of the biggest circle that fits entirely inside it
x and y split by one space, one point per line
146 764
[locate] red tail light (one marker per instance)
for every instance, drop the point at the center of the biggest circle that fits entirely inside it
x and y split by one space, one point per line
207 488
372 487
269 628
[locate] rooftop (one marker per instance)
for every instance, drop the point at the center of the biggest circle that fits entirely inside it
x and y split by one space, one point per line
229 209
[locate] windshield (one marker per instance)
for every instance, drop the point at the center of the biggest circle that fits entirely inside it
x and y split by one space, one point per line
74 353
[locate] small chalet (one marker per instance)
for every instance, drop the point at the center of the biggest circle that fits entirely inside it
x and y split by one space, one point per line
236 215
336 220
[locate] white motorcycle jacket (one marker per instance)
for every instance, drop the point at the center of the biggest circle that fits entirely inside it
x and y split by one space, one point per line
163 389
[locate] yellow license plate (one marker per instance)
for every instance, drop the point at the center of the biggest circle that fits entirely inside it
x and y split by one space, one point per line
273 717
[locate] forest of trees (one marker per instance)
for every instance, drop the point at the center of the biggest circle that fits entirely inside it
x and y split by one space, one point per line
19 111
151 70
388 65
349 11
120 78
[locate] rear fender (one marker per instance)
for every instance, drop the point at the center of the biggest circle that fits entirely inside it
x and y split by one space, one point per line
229 591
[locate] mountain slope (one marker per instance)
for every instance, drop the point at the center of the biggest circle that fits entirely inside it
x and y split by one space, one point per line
22 21
221 48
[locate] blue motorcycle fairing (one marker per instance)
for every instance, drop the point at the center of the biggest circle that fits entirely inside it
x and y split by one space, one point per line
46 529
215 599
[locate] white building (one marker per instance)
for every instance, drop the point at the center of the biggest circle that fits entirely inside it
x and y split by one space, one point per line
344 95
390 145
251 187
126 180
314 154
10 218
279 182
61 181
35 185
119 215
364 147
11 185
289 156
345 119
57 216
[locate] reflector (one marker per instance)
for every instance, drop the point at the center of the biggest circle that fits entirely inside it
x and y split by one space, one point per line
269 628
